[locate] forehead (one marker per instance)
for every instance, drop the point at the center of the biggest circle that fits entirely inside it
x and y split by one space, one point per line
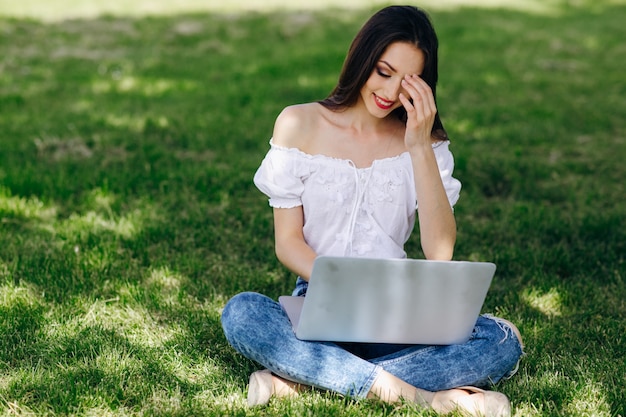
405 58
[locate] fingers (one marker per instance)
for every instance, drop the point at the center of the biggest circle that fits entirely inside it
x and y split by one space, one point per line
421 95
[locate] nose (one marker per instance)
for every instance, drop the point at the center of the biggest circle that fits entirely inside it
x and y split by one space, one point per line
393 88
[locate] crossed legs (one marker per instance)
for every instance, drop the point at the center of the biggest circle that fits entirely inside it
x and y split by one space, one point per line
257 327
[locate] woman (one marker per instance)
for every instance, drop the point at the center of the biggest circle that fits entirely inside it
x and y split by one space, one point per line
345 177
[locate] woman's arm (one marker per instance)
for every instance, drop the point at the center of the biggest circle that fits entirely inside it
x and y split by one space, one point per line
292 130
436 218
291 248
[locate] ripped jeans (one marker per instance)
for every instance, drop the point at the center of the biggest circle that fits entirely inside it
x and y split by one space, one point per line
258 328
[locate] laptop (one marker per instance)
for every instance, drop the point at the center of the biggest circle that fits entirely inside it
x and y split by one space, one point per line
404 301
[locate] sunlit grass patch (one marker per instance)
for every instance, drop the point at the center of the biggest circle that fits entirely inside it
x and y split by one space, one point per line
134 323
30 208
12 295
147 87
105 212
22 315
165 282
92 222
589 400
128 122
548 303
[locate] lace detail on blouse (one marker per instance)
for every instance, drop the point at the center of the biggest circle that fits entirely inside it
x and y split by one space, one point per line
350 211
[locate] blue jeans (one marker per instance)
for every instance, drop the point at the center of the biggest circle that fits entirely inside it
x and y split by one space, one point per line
258 328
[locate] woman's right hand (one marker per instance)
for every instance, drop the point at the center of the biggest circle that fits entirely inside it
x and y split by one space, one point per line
420 110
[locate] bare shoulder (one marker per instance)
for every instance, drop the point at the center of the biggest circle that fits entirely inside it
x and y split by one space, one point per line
296 126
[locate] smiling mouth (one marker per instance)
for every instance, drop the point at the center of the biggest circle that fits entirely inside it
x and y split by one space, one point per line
383 104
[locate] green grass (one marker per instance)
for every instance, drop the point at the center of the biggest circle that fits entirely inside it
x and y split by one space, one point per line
128 215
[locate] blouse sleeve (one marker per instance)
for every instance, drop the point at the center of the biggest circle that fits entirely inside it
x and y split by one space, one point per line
445 161
277 178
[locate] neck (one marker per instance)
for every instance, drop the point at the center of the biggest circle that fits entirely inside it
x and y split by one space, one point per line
361 121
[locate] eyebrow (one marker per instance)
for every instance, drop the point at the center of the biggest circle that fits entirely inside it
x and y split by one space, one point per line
389 65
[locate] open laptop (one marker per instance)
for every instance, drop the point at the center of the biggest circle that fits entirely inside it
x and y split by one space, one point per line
409 301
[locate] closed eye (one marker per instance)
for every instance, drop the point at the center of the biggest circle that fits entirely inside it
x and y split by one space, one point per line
382 73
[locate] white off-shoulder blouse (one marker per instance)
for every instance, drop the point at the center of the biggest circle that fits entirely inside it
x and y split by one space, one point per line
350 211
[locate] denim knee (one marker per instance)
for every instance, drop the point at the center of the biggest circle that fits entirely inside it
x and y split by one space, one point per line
236 316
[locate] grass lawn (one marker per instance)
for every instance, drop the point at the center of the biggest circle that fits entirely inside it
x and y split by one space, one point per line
128 216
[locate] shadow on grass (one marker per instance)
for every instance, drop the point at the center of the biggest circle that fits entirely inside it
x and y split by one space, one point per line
128 216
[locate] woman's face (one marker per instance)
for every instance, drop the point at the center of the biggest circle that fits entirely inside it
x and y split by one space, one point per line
380 92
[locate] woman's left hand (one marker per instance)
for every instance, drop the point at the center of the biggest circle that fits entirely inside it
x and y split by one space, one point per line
420 110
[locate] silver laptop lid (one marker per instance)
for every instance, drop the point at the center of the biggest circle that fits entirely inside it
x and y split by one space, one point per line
393 300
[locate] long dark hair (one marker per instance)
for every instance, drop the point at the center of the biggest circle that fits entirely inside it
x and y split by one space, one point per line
391 24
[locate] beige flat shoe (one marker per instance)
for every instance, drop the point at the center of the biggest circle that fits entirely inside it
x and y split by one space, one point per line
472 401
264 385
260 388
